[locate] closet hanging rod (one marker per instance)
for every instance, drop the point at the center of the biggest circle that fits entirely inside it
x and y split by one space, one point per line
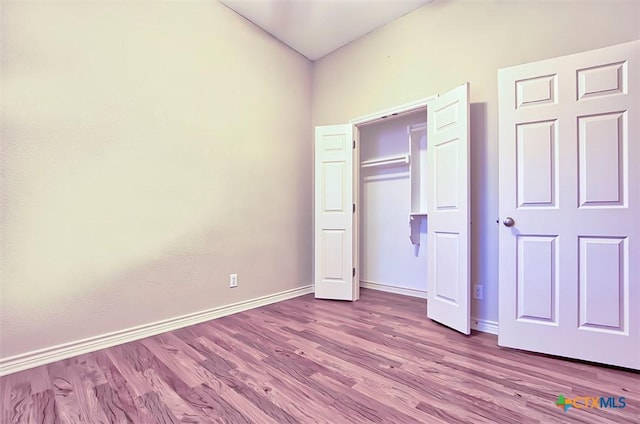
392 160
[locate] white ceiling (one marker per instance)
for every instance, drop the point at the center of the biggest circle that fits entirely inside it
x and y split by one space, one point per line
318 27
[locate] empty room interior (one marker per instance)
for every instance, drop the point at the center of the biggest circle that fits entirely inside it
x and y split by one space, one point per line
327 211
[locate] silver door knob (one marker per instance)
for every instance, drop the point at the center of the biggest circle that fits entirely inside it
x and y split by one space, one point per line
508 222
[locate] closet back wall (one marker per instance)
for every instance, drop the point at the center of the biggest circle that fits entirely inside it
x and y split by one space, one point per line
149 149
446 43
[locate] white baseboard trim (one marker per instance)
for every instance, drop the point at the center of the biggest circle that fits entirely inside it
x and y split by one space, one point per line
478 324
47 355
484 325
422 294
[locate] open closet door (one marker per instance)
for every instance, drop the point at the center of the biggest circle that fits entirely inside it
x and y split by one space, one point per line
448 222
334 271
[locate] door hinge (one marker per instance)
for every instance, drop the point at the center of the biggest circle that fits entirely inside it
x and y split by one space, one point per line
354 144
354 208
353 273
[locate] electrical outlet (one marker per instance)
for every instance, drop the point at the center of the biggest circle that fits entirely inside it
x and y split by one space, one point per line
233 280
478 292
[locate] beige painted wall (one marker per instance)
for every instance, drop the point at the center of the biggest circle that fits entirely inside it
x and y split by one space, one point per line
148 149
446 43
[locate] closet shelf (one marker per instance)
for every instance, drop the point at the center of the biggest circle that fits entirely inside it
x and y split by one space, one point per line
390 160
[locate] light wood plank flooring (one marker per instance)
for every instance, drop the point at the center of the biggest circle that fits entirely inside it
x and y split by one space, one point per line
303 360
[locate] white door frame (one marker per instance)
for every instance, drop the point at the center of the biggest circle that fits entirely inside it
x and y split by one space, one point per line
371 118
393 112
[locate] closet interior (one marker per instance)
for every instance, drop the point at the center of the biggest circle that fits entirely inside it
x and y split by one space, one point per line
392 199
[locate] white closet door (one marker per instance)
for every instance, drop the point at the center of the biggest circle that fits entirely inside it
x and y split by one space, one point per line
570 181
334 217
448 209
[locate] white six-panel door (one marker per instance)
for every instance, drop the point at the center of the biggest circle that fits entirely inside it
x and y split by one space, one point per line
448 268
569 157
333 252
